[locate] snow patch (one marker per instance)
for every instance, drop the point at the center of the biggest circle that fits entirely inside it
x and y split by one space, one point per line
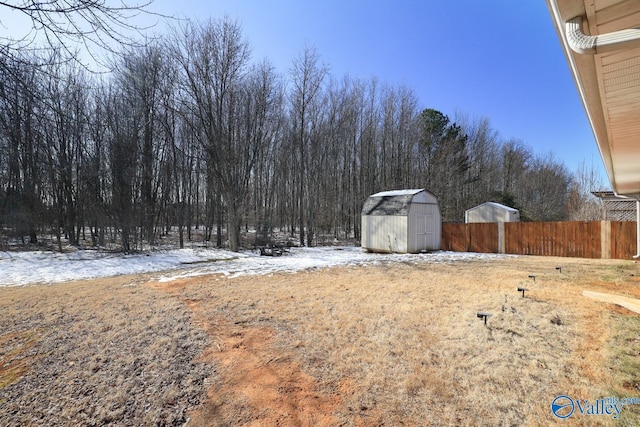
23 268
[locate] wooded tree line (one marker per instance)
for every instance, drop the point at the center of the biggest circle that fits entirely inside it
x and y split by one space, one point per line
190 131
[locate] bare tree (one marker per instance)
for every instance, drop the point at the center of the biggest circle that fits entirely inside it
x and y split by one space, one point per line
180 165
398 137
63 127
140 76
544 190
582 204
483 147
94 24
20 104
307 75
516 159
344 173
122 157
264 117
214 59
369 179
94 191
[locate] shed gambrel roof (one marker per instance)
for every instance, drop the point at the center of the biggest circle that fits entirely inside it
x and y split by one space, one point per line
387 203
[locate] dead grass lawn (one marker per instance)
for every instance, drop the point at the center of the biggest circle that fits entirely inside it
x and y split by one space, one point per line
101 352
389 345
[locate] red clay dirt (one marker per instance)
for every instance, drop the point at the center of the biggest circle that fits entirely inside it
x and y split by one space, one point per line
254 383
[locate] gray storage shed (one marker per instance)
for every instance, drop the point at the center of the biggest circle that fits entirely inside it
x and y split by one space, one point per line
402 221
491 212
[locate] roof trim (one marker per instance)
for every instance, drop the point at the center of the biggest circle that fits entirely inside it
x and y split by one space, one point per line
392 193
496 205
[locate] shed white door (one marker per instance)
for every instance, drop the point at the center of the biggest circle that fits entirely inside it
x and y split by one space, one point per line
425 231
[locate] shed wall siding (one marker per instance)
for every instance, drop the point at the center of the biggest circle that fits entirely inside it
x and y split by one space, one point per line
488 213
384 233
485 214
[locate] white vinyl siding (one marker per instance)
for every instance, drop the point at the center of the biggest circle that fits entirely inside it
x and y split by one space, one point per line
384 233
492 212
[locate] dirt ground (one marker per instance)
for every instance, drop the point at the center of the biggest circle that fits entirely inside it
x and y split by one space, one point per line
394 344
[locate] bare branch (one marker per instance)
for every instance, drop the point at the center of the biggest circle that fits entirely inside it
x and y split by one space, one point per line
94 25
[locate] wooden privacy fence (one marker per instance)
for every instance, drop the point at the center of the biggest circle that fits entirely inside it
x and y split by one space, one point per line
583 239
477 237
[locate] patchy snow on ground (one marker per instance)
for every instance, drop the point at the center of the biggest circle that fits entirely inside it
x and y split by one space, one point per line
23 268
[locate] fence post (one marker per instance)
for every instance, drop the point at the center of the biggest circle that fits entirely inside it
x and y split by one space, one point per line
605 239
501 238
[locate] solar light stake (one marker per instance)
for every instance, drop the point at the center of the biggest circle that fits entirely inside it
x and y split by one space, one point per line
483 315
521 289
532 276
559 269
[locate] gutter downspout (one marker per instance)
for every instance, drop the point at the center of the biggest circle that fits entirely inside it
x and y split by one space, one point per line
637 255
579 42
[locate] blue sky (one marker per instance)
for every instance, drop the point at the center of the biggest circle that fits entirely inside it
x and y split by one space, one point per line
499 59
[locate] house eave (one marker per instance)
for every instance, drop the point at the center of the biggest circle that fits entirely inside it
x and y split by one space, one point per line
607 79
